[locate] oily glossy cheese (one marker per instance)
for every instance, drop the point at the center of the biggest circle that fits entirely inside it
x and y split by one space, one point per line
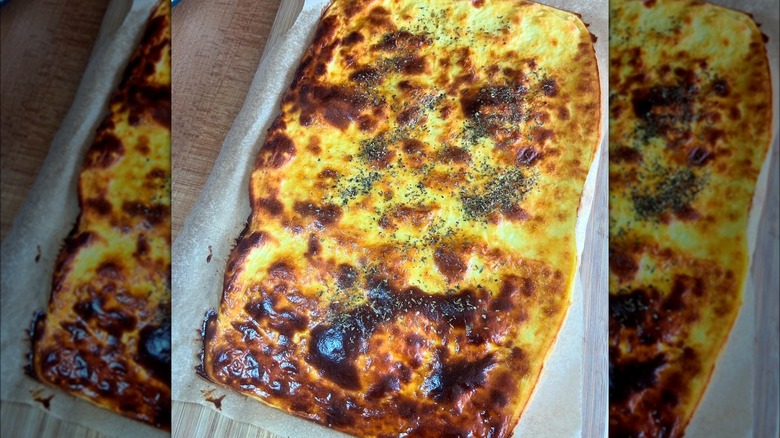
105 336
410 254
690 124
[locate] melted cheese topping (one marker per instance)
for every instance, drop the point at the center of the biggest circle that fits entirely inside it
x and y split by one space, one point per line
690 124
409 257
106 333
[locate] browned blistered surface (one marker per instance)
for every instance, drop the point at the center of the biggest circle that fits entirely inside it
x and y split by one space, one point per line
105 336
690 124
392 276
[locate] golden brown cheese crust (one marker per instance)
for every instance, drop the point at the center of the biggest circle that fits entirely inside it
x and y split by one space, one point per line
409 257
690 124
105 336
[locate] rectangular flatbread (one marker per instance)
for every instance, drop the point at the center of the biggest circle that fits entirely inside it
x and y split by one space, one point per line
410 254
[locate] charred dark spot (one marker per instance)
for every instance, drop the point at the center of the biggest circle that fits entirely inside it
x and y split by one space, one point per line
254 240
77 330
721 87
628 308
449 263
516 212
622 264
314 246
284 321
683 289
367 76
276 152
211 254
699 156
272 205
157 173
324 215
112 321
154 350
141 245
110 270
402 40
335 347
630 377
511 287
413 146
666 110
410 65
243 245
526 156
549 87
450 380
325 31
281 271
105 151
409 116
387 384
328 174
625 154
153 214
346 277
249 330
100 205
452 154
353 38
338 106
712 135
499 398
337 415
541 135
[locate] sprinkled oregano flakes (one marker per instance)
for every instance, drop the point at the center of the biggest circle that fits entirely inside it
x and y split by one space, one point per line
672 190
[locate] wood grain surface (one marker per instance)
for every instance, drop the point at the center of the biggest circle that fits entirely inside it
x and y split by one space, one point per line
45 45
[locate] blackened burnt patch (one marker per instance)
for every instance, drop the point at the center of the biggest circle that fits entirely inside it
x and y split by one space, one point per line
324 215
336 105
629 377
105 151
277 151
402 40
155 350
335 346
153 214
666 111
451 379
449 263
550 87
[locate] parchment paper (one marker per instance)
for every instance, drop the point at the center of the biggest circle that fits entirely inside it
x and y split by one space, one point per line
48 215
727 407
221 211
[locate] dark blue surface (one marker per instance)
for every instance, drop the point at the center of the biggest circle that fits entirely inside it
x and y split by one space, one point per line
173 2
